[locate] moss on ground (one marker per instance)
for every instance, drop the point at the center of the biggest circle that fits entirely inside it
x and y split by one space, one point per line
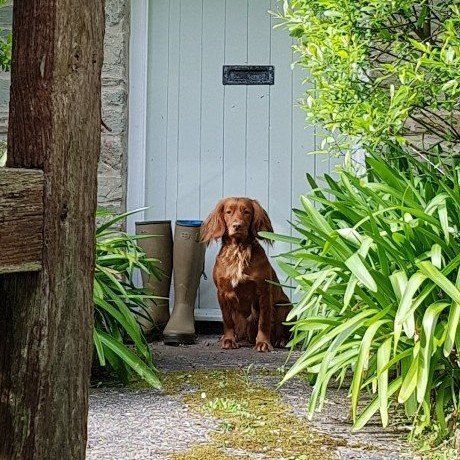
208 452
252 418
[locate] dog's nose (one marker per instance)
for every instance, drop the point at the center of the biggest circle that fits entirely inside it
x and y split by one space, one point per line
236 225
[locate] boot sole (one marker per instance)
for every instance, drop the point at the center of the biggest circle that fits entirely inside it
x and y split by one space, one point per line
179 339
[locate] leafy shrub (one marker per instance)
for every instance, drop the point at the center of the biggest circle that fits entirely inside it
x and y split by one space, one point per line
117 301
6 42
377 268
377 271
381 70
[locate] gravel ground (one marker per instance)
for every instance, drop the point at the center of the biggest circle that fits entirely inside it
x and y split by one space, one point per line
129 424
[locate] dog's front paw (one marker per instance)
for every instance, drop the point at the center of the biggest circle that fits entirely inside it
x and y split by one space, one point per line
229 343
263 346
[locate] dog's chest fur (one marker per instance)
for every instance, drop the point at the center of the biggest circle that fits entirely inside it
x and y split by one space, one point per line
235 260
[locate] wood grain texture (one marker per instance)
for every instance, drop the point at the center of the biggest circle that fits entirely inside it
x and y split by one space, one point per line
47 316
21 220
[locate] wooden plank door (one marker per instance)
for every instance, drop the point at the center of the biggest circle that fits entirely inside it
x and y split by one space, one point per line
206 140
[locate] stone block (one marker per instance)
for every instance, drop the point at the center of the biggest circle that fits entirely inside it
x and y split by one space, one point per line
116 10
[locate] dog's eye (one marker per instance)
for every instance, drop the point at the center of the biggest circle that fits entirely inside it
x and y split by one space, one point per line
246 212
228 212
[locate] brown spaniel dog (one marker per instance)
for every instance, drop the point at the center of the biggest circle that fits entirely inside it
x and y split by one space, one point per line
253 309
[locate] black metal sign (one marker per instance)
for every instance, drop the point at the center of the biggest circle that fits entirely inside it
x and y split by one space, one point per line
248 75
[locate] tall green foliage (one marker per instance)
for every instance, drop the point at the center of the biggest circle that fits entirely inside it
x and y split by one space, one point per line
118 301
381 71
377 261
377 266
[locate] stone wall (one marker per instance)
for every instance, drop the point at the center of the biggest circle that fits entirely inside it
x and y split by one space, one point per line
112 165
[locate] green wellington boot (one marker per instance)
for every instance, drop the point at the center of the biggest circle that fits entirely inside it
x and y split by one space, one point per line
189 255
158 247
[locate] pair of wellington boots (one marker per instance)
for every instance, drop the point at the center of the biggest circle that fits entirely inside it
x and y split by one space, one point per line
185 258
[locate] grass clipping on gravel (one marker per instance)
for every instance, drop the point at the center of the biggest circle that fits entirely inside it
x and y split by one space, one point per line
252 418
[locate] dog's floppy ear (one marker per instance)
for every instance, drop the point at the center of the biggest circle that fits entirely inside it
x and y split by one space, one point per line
213 227
260 221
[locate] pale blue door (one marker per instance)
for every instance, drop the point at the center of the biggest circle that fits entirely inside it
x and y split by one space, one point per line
207 140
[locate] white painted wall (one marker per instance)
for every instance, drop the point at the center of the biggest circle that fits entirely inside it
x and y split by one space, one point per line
206 140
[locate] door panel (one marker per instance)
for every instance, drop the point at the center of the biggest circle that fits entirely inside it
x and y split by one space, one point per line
258 104
212 126
206 140
235 105
189 130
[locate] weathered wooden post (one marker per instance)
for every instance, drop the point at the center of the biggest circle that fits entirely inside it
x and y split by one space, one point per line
47 228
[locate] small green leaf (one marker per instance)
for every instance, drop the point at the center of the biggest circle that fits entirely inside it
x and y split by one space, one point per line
383 356
357 267
121 350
